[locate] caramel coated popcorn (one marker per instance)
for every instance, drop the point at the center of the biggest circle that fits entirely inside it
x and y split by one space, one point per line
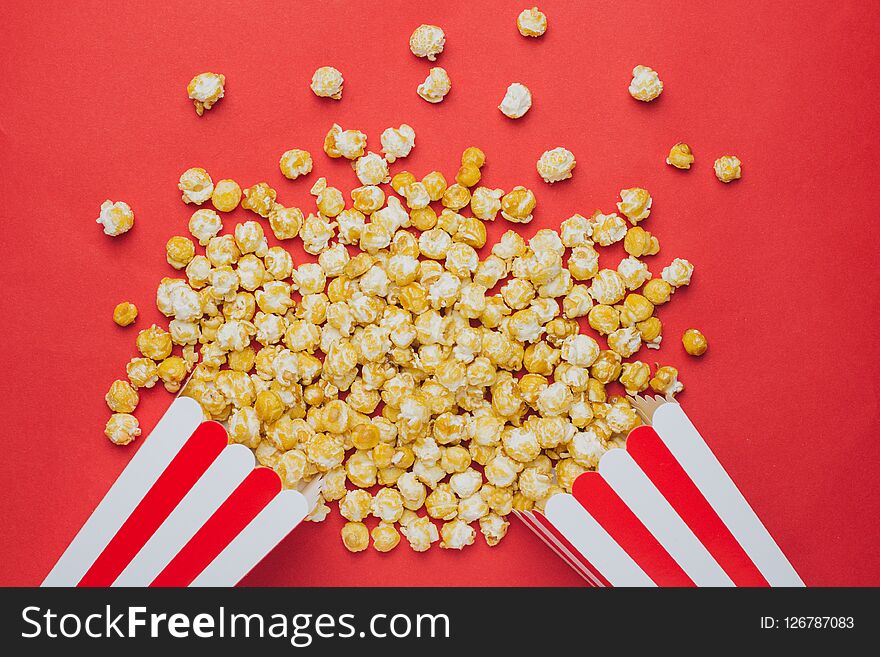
427 41
436 85
728 168
116 218
646 84
327 83
205 89
531 22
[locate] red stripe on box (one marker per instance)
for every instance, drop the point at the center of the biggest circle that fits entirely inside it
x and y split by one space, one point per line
597 497
665 472
190 463
227 522
579 562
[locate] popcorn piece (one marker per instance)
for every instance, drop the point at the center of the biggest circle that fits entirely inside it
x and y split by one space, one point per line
678 273
205 89
349 144
516 102
205 224
427 41
493 528
117 218
646 84
456 535
125 313
179 251
122 397
295 163
372 169
531 22
556 164
517 205
665 381
327 83
635 204
260 199
385 537
226 195
728 168
638 242
196 185
436 85
608 228
397 143
634 272
122 428
680 156
421 533
634 377
355 535
694 342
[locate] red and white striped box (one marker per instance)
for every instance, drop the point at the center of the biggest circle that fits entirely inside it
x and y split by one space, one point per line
662 512
189 510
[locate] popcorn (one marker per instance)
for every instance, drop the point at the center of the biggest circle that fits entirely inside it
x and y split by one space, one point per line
295 163
122 397
196 185
517 205
179 251
327 83
531 22
226 195
680 156
516 102
385 537
635 204
427 41
122 428
638 242
556 164
694 342
646 84
436 85
456 535
125 313
372 169
421 533
205 224
608 229
355 535
116 218
678 273
728 168
205 89
397 143
665 381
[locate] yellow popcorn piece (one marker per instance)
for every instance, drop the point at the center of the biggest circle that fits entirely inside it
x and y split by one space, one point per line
694 342
397 143
427 41
116 218
680 156
125 313
327 83
556 164
436 85
635 204
516 102
665 381
728 168
122 428
259 198
531 22
355 536
122 397
517 205
226 195
646 84
196 185
295 163
205 90
678 273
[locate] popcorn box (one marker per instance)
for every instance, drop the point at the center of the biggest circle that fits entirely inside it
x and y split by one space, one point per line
662 512
189 510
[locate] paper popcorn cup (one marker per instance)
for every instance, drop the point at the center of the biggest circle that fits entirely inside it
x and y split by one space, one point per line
189 510
662 512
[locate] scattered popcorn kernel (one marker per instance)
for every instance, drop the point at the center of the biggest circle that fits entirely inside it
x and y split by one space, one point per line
397 143
625 341
154 343
427 41
226 195
635 204
122 397
531 22
473 156
295 163
421 533
516 102
117 218
646 84
665 381
179 251
285 222
651 329
608 229
125 313
205 224
142 372
517 205
205 89
556 164
260 199
436 85
680 156
468 175
173 371
385 537
349 144
695 342
634 377
196 185
678 273
634 272
638 242
327 83
657 291
608 287
456 535
355 535
493 528
122 428
728 168
456 197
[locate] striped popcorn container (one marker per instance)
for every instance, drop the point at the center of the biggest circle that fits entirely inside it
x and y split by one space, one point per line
662 512
189 510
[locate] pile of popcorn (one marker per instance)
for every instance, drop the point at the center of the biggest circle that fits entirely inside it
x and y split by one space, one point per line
431 381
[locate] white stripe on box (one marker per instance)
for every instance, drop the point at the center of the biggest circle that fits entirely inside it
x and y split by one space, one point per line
284 512
212 489
589 538
691 451
637 491
158 450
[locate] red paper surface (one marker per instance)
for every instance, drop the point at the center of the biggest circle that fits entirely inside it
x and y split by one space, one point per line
93 106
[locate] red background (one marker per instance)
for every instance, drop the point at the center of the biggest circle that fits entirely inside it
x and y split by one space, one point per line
93 106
